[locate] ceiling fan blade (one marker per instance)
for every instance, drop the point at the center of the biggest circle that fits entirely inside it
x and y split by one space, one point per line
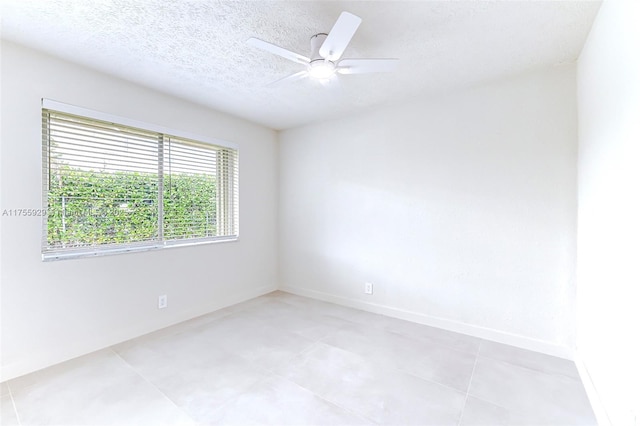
277 50
290 78
362 66
339 36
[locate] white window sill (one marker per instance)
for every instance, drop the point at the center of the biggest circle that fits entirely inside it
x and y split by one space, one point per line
112 250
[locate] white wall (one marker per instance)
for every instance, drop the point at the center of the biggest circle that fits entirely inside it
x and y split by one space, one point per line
608 338
460 209
57 310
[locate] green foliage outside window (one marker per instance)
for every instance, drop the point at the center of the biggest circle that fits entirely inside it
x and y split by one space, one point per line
88 208
189 206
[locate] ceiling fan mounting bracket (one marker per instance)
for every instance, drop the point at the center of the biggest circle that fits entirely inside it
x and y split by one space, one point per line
316 43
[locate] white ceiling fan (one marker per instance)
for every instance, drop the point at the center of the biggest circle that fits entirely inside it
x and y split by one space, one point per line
326 53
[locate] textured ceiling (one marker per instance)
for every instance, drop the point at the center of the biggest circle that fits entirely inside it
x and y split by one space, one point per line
196 49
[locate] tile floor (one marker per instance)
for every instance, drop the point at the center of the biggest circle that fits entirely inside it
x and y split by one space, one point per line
286 360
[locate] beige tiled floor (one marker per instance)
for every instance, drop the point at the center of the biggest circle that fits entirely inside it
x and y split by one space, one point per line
283 359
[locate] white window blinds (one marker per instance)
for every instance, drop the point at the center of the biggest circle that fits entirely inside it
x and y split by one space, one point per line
210 176
112 187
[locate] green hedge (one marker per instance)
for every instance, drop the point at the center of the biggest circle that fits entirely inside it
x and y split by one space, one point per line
89 208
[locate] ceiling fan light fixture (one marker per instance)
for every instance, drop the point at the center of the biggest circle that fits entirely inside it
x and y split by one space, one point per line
321 69
325 60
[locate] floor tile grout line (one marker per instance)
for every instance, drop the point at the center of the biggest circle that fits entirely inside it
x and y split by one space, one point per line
323 341
466 397
497 404
262 370
381 365
232 399
423 339
139 374
392 369
399 333
430 341
273 370
483 399
532 369
57 366
304 353
13 402
328 401
480 356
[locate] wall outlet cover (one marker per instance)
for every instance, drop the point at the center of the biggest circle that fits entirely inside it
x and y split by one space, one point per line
162 301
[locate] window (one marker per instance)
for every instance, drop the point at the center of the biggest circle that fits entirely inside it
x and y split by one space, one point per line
113 185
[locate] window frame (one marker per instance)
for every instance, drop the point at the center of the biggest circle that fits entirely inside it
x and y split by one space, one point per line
231 187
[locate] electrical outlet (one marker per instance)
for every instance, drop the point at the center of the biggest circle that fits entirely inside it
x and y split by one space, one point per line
162 301
368 288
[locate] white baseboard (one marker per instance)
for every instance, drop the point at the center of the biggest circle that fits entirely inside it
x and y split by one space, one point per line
33 362
444 323
594 397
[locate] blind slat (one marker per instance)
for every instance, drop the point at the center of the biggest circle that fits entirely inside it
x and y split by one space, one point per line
103 183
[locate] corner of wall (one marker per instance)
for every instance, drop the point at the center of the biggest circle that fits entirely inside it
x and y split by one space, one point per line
592 393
